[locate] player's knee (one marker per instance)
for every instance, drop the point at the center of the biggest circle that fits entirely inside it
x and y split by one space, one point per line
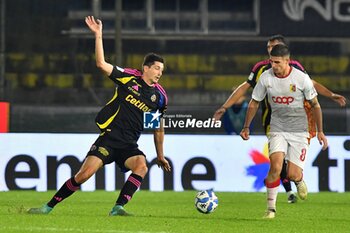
294 176
141 170
83 176
275 171
291 177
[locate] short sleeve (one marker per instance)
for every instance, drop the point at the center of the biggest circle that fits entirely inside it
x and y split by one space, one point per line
259 91
252 79
163 98
123 75
309 89
257 70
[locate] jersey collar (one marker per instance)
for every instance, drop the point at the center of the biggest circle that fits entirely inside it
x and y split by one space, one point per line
285 76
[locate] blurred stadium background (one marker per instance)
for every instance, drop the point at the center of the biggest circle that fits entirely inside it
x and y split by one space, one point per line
49 77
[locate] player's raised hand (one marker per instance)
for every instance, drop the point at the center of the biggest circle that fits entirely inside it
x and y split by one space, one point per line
164 164
341 100
218 114
323 140
245 133
94 25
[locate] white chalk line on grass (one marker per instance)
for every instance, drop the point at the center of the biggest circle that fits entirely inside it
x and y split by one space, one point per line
54 229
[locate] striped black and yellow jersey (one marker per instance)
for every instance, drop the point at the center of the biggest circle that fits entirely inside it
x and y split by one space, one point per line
253 78
122 117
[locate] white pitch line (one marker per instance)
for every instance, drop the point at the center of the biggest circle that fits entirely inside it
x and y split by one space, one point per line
54 229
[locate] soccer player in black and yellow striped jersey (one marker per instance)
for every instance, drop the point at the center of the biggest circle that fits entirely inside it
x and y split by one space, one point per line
254 76
121 123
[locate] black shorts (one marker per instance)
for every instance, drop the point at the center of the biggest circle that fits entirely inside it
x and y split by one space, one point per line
103 149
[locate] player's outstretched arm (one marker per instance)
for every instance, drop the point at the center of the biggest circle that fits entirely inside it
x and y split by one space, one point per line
96 27
316 108
158 136
236 94
322 90
251 111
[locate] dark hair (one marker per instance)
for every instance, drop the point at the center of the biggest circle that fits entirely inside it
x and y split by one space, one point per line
150 58
279 38
280 50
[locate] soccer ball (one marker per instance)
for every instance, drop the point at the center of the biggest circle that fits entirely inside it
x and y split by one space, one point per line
206 201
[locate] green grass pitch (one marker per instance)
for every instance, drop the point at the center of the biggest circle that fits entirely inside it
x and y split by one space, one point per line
156 212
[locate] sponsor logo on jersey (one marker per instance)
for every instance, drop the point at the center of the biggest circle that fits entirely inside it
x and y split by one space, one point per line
137 103
283 99
134 90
